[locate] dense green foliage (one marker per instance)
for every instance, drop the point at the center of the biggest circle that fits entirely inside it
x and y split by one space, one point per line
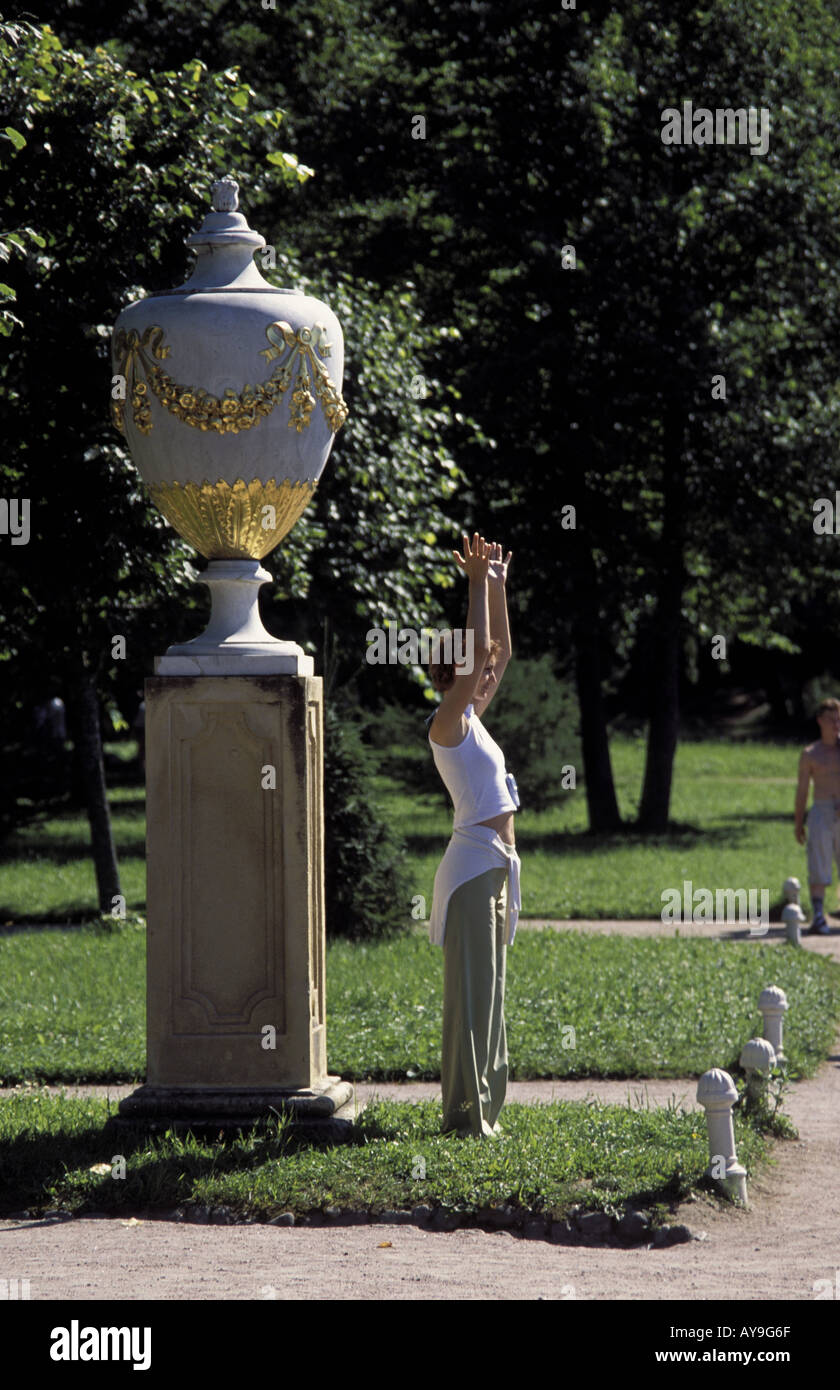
366 890
534 719
543 130
459 150
132 157
142 191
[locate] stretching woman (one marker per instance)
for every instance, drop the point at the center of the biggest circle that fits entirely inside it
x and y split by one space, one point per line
473 914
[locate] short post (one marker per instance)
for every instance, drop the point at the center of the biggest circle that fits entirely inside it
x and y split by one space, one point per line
792 914
717 1093
758 1059
772 1003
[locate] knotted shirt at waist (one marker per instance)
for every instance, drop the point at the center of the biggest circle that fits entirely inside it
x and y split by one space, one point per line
473 850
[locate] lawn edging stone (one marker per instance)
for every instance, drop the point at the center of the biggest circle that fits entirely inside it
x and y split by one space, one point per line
588 1228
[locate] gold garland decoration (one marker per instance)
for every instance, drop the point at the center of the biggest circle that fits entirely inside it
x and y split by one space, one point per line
227 521
234 411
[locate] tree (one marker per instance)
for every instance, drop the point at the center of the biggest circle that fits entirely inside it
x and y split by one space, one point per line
705 292
17 239
114 169
105 166
599 279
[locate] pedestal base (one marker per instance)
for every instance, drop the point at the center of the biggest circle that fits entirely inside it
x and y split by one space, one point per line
235 900
326 1111
235 643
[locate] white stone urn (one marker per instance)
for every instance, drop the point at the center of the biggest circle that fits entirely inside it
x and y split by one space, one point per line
228 392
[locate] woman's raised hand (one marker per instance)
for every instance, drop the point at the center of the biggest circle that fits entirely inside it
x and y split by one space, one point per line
498 566
475 561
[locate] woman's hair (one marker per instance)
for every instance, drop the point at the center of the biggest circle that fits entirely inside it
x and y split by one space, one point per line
442 673
827 705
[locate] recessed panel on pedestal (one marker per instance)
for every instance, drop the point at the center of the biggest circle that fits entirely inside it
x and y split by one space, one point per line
235 870
225 821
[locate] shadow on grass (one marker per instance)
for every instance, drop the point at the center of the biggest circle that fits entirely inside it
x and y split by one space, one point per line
69 851
678 836
32 1165
582 842
70 917
39 1171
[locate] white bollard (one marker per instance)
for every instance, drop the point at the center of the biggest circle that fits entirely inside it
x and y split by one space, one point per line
792 914
772 1003
717 1093
757 1058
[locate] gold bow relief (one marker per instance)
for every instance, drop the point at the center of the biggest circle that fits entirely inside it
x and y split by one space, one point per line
134 355
233 522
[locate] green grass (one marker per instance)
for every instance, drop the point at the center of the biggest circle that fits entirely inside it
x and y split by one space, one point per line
552 1158
46 870
731 808
638 1006
72 1005
732 827
72 1009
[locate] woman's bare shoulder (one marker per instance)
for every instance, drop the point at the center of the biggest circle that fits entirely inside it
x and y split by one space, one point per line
447 737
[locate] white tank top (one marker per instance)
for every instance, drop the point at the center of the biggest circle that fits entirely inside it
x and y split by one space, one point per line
474 775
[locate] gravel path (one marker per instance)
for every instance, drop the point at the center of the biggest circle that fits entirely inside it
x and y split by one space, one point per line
787 1241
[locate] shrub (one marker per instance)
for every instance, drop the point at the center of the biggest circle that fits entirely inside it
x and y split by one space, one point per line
34 773
534 719
400 738
366 888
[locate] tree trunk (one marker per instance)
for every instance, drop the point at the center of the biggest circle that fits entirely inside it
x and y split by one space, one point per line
601 800
663 729
85 709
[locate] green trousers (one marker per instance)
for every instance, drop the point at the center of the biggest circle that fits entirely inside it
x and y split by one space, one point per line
474 1063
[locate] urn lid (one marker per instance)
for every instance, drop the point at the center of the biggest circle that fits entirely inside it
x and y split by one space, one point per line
224 245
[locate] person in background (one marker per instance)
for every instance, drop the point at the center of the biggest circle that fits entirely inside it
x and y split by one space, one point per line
49 737
476 895
820 761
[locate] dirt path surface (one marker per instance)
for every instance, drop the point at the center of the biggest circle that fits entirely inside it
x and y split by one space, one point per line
780 1248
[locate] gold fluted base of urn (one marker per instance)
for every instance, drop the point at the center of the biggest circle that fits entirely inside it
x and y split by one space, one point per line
236 521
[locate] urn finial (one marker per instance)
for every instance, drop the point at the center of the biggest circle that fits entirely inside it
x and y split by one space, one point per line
225 194
224 226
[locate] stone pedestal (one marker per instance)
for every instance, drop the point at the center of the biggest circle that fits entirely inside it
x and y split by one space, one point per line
236 1024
